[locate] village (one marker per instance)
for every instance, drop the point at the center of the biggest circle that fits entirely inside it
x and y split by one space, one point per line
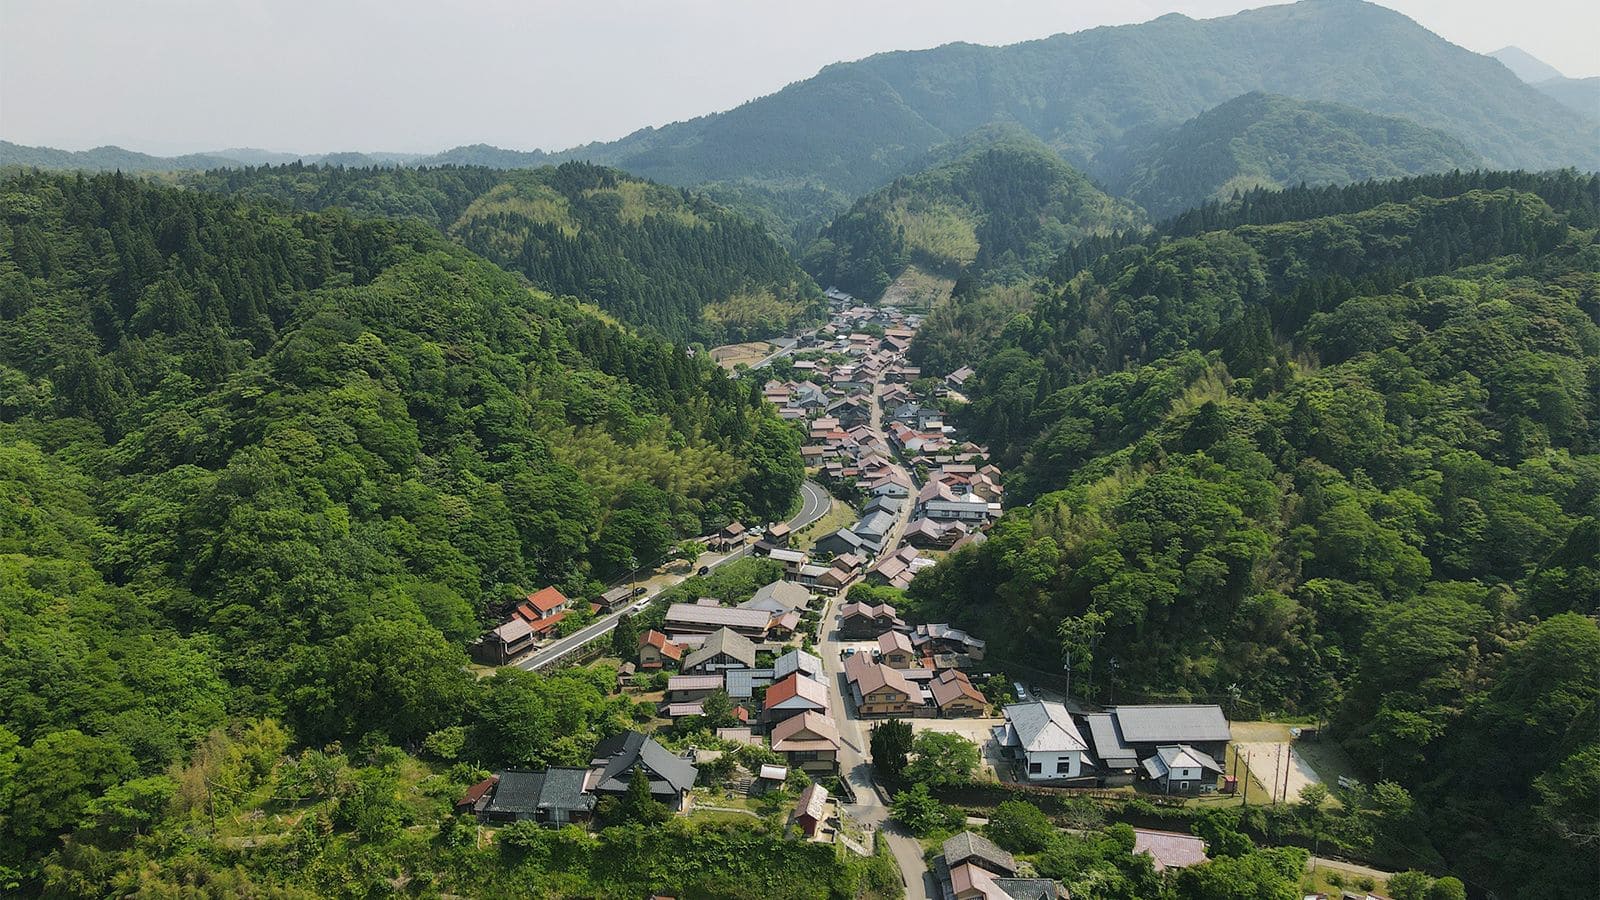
762 701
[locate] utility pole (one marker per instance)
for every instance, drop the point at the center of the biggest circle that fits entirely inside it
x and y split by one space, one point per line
1246 779
1068 667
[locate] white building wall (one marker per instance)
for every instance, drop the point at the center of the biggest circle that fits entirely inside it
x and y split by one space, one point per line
1048 762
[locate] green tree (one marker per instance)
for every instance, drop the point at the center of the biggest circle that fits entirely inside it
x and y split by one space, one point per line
625 637
924 814
1020 827
941 758
891 748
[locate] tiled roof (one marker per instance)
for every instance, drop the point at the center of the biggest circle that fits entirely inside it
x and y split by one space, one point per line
1175 724
727 642
1043 726
797 687
808 728
547 599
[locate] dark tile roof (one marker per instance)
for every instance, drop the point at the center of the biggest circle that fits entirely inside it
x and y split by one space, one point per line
619 753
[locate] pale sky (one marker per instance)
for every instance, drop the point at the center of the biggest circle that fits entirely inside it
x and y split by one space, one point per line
172 76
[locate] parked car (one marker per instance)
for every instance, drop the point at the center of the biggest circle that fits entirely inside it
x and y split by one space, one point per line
639 591
703 570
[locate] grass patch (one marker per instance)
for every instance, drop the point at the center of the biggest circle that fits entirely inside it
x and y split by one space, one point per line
839 515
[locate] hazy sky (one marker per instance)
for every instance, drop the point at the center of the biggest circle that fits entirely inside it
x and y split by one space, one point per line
168 76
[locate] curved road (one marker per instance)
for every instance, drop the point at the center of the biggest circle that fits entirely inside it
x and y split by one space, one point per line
814 503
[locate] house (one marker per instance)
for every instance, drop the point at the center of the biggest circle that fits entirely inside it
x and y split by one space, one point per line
615 758
732 535
954 694
724 649
958 379
797 661
1169 849
934 535
939 637
556 796
894 650
688 688
881 691
1181 768
792 696
971 882
739 735
1044 741
809 741
548 601
890 485
862 621
779 597
883 504
834 579
543 610
792 560
840 542
504 643
617 597
970 847
657 651
741 684
874 528
1124 738
811 810
693 618
778 535
469 801
978 870
899 568
961 508
784 626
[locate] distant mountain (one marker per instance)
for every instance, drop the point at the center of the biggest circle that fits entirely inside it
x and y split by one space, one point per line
998 204
1525 65
1263 140
855 126
110 158
668 259
1581 94
485 155
106 159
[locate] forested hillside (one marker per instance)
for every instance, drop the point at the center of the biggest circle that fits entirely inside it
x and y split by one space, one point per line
263 467
856 126
654 256
112 158
1345 466
997 205
1261 140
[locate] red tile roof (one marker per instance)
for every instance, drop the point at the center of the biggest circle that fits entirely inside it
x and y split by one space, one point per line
548 599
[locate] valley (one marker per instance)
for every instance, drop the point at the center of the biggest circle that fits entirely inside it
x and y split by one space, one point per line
1152 461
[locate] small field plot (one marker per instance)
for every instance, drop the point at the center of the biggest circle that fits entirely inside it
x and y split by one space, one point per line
730 355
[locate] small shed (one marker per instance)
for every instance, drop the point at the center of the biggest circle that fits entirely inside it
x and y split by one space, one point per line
778 774
812 809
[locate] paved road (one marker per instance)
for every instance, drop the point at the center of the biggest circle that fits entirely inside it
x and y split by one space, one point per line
855 764
783 350
814 503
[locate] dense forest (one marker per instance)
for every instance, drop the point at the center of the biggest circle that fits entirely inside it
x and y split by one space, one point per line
1346 467
1266 141
663 258
264 474
997 205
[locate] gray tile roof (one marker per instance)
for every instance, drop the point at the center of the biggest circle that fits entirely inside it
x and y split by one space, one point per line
723 641
1172 724
619 754
741 683
1043 726
971 846
1109 747
796 660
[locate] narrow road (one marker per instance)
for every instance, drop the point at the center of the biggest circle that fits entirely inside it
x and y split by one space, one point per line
814 503
855 765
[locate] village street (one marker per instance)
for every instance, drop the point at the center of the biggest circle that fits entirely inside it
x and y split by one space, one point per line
814 503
